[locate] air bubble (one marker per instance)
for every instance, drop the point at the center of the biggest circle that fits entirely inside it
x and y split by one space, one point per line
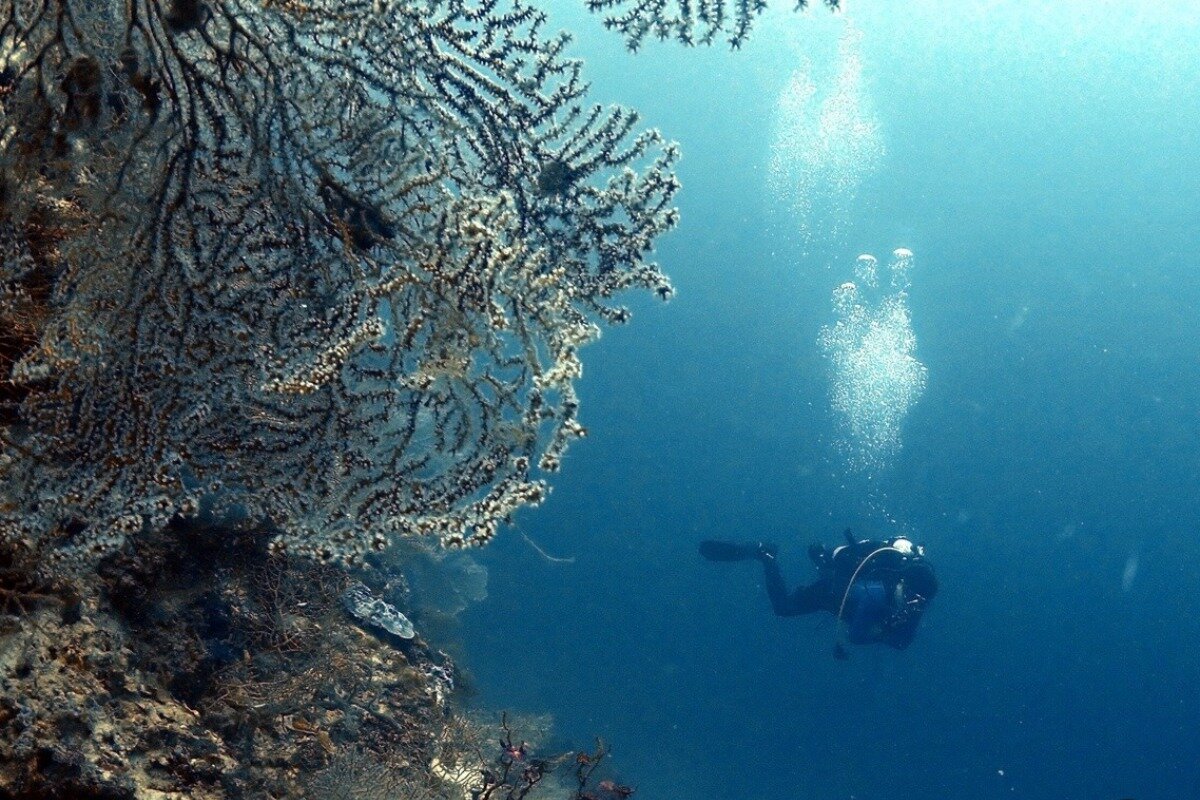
875 375
827 141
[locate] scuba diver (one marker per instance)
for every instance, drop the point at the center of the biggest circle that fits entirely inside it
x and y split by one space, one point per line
877 589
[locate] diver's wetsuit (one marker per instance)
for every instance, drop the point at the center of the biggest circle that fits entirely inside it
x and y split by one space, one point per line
887 600
884 604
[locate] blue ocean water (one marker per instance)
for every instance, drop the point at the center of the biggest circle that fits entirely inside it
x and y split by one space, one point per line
1041 159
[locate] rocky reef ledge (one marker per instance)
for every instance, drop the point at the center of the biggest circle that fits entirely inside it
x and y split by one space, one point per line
202 667
199 663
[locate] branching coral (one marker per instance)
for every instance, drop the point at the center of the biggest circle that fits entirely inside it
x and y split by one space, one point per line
321 265
685 21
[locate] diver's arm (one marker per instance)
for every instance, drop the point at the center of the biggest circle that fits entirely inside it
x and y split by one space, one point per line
900 629
919 586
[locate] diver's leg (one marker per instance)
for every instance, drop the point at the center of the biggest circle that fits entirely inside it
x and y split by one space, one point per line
804 600
811 598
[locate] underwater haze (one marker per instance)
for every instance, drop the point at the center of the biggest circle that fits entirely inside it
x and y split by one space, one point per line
1024 402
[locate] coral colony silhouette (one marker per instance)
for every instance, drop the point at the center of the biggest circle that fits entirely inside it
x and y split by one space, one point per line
687 22
325 266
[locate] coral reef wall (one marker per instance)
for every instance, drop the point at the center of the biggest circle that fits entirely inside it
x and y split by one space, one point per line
325 265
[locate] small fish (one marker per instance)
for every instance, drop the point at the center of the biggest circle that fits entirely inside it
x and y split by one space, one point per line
372 611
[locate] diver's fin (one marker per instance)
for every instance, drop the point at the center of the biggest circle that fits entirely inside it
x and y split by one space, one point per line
715 550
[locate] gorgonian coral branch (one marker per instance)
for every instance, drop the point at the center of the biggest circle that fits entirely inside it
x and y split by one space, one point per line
686 21
323 265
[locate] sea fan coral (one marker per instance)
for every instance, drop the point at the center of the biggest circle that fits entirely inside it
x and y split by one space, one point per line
685 21
324 266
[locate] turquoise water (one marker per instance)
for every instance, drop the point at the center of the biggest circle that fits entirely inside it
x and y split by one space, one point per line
1041 161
